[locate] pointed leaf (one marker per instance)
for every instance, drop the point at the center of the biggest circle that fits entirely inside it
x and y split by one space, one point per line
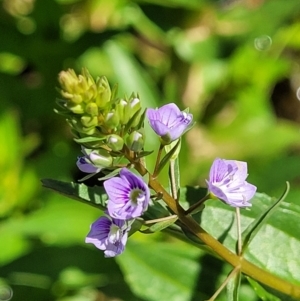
94 196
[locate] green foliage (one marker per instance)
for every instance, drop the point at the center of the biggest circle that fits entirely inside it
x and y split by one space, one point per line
233 63
282 223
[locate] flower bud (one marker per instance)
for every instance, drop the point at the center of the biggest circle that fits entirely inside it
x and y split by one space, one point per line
68 80
77 109
103 92
73 84
91 109
93 161
120 109
89 121
135 105
100 158
135 141
115 142
111 120
77 125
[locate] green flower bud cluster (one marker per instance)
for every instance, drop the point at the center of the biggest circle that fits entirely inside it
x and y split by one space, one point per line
83 99
99 119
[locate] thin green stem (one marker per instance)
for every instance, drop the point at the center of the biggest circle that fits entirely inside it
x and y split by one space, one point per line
232 274
161 147
239 232
173 179
195 206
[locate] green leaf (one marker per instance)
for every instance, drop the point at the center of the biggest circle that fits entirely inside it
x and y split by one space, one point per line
94 196
256 225
275 247
160 271
261 292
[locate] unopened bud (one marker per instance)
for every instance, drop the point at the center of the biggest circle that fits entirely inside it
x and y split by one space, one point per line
77 109
100 158
120 109
135 141
115 142
89 121
103 92
91 109
111 120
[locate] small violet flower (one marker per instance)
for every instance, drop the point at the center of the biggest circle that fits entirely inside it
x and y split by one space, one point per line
93 160
128 195
227 181
109 235
169 122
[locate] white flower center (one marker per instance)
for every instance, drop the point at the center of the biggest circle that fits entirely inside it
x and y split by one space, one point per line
115 234
137 196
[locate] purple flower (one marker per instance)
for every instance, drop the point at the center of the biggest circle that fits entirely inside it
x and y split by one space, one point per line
128 195
93 160
227 181
86 166
109 235
169 122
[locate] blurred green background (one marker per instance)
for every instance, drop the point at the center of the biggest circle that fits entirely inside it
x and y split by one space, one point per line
235 64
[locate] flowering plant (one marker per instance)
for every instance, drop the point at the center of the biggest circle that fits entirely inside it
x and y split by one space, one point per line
111 132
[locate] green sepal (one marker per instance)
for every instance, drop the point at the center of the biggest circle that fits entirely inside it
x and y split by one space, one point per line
110 175
114 92
62 104
143 154
167 157
161 225
250 232
132 120
88 176
142 119
89 139
93 196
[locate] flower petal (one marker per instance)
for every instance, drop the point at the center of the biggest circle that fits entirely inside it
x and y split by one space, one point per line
227 182
169 122
128 195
